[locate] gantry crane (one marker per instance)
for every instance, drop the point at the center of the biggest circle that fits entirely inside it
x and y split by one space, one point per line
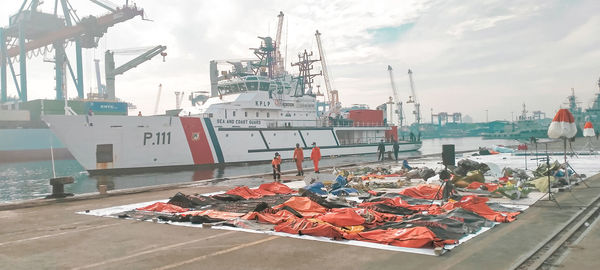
413 99
399 110
32 31
334 104
111 71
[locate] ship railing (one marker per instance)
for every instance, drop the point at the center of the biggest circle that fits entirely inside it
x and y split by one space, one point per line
363 140
327 123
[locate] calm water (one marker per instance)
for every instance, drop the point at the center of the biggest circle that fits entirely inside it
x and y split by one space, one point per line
28 180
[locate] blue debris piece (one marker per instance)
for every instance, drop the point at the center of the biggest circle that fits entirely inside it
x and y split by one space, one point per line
344 191
317 188
340 181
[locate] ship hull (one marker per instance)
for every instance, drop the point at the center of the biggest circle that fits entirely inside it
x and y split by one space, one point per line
23 144
110 143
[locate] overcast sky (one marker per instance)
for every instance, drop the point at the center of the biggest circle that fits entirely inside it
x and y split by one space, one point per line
467 56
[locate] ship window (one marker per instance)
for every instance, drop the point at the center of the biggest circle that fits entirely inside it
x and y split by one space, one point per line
233 113
264 86
274 134
256 114
210 115
251 134
252 85
226 134
246 114
268 115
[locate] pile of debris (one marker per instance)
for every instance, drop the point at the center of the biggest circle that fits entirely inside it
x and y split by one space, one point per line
412 217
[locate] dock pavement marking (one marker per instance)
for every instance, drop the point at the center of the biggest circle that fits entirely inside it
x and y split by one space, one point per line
216 253
56 234
152 251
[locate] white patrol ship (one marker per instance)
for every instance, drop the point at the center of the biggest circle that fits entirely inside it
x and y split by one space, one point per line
252 113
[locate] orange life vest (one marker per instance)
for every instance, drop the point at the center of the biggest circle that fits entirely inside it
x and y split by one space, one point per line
298 154
316 153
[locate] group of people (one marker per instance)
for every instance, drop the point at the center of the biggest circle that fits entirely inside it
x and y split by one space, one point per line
315 156
381 150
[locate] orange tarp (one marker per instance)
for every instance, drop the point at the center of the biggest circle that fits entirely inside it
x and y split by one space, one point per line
424 191
163 207
272 218
343 217
303 205
277 188
478 205
309 227
213 214
416 237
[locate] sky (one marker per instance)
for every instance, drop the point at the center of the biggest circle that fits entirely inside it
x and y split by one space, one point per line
468 56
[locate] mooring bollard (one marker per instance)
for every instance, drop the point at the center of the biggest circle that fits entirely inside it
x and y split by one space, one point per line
58 187
102 189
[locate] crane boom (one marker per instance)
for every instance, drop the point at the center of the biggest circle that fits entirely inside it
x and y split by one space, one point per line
399 110
111 71
157 99
334 104
279 66
323 64
104 4
417 111
90 24
101 87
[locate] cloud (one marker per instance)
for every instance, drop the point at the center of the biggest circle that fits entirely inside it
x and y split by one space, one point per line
467 56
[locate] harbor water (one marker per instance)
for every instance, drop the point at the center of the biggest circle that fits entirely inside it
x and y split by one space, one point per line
29 180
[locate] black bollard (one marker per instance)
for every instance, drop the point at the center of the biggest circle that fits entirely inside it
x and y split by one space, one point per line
58 187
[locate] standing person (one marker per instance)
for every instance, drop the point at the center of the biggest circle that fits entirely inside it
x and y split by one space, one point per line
315 155
597 134
276 163
140 113
380 151
396 149
90 112
298 157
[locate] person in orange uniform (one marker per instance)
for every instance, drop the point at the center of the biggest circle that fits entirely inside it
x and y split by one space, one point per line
276 163
315 155
298 157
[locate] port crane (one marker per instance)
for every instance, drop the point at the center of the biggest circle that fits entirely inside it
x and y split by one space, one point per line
111 71
157 99
413 99
279 65
334 103
399 110
31 32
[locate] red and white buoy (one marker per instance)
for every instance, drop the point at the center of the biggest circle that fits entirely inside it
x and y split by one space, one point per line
563 125
588 130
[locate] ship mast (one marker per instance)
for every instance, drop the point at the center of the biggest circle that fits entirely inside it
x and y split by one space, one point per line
305 65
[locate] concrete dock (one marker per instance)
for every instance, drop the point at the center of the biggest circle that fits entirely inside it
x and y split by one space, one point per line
51 235
48 234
